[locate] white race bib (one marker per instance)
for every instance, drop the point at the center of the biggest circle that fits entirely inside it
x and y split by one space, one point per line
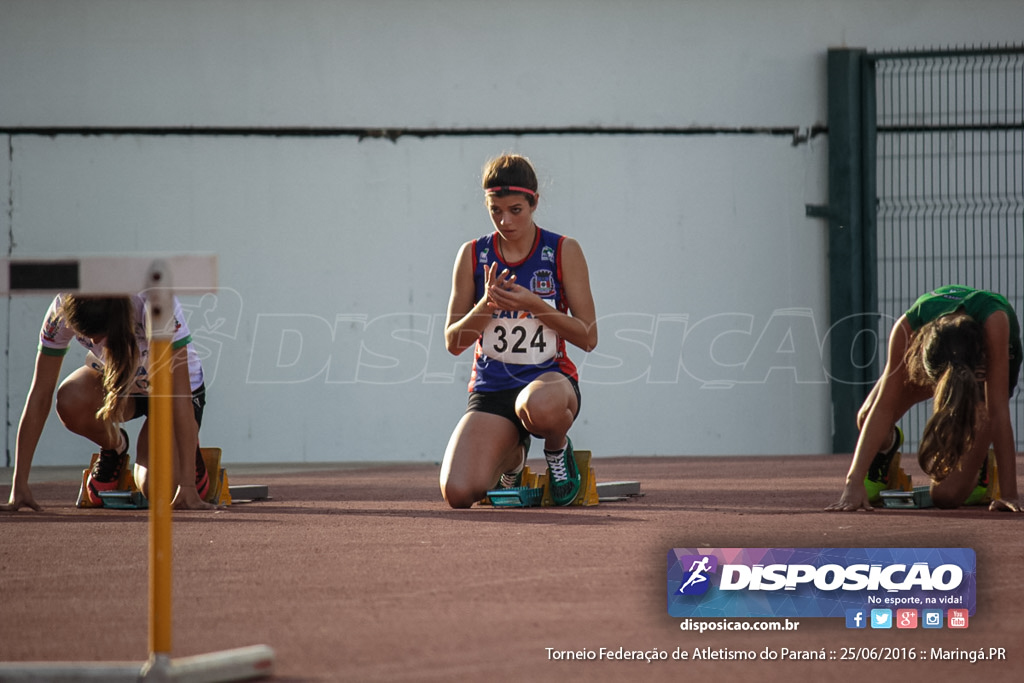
518 338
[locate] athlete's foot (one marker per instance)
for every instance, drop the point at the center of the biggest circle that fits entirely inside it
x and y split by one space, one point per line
563 476
514 479
188 499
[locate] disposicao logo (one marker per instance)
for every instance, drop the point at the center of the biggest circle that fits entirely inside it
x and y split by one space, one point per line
818 582
696 580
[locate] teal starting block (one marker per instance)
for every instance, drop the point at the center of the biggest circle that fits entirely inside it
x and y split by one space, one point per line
124 500
134 500
521 497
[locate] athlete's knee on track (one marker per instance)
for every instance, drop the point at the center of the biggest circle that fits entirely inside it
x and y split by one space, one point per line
459 500
460 495
945 498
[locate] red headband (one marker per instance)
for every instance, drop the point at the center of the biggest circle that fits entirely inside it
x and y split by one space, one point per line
510 188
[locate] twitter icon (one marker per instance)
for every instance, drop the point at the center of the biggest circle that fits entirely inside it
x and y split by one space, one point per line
881 618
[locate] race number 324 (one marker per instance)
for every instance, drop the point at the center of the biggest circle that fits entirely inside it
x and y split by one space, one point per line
522 341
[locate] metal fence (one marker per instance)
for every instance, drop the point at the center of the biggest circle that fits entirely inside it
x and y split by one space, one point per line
949 183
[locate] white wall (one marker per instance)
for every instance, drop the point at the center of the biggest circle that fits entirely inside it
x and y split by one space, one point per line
709 281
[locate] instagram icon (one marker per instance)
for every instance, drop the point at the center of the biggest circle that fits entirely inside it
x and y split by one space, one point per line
931 618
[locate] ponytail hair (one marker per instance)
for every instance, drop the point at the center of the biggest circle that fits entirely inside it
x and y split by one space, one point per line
946 354
113 317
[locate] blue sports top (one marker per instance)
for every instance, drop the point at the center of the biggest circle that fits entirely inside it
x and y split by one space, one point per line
517 348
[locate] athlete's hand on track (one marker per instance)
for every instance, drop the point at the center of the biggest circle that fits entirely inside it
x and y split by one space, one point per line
21 497
1000 505
855 497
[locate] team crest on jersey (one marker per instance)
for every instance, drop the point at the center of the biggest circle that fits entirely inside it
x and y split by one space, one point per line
542 282
141 373
483 256
50 327
547 254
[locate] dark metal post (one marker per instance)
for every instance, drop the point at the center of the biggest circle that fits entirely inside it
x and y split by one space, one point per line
851 243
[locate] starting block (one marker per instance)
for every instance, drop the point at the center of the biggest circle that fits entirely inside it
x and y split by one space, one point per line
898 479
903 494
917 498
920 497
124 500
618 490
220 490
125 483
984 496
128 497
248 493
519 497
534 491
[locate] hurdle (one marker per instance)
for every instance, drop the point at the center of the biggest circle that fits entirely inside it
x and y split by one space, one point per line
121 276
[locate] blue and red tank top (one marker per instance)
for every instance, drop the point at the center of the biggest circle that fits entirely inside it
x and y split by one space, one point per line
517 348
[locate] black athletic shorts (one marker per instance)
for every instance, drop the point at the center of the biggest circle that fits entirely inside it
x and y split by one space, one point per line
503 403
198 404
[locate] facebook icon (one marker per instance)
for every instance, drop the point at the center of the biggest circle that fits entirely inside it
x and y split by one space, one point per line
856 618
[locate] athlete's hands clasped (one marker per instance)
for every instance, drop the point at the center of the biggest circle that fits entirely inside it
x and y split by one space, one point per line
503 293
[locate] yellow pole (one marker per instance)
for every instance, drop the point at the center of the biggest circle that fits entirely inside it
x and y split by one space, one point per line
161 459
161 443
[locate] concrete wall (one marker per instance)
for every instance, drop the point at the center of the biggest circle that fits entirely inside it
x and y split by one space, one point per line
336 250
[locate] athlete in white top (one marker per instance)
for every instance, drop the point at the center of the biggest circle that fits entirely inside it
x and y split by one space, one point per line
110 389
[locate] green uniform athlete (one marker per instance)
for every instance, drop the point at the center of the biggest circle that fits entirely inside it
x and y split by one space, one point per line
962 347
